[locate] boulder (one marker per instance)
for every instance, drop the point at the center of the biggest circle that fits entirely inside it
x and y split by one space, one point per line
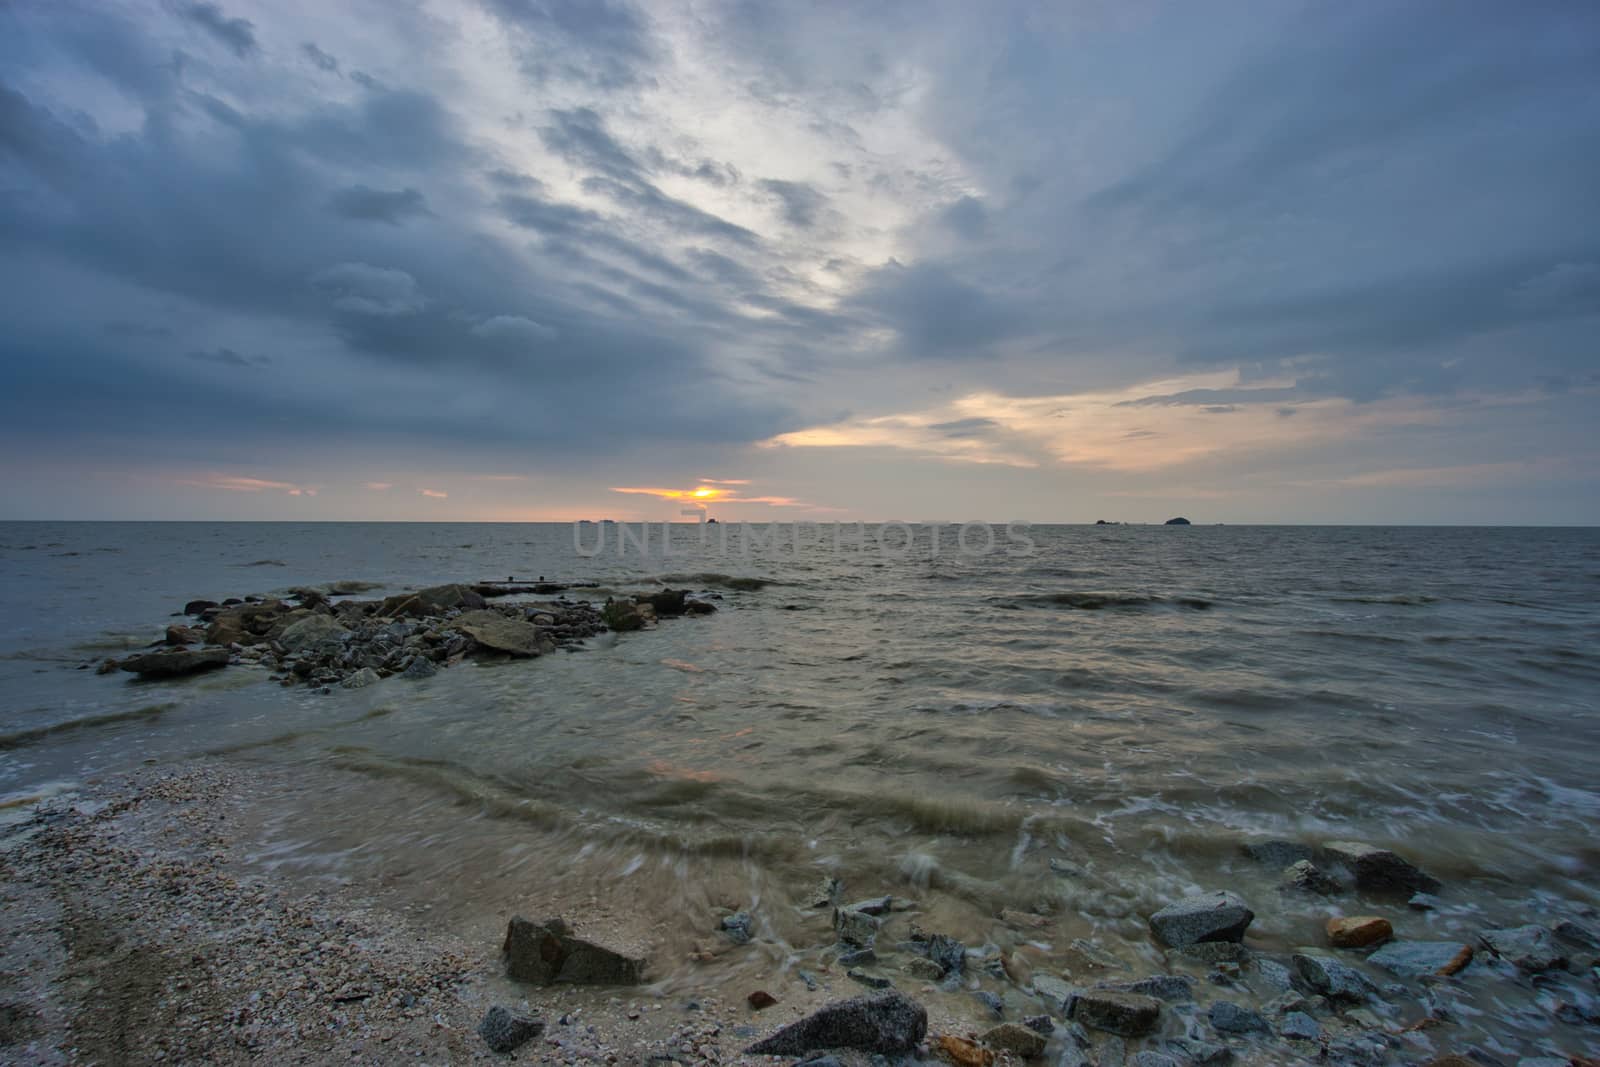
176 662
495 631
504 1030
1332 979
419 667
198 607
1218 916
361 679
434 600
1127 1014
1379 869
310 631
1414 959
621 616
888 1022
1303 876
1015 1039
1358 931
1531 948
546 953
184 635
666 603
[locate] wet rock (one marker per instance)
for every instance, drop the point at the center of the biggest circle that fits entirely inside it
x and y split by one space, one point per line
1304 876
826 894
667 603
1278 853
889 1022
1017 1040
854 927
495 631
1040 1024
992 1001
948 953
547 952
420 667
1202 1053
311 631
1054 991
1378 868
871 981
1332 979
872 906
737 927
1173 988
1152 1058
1358 931
1414 959
963 1053
1230 1018
506 1031
1530 948
184 635
199 607
924 969
1215 952
1576 934
1127 1014
1422 902
434 600
1300 1027
1218 916
622 616
857 957
361 679
761 999
174 663
1274 974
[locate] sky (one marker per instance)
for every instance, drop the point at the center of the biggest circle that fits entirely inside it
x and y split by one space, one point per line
557 259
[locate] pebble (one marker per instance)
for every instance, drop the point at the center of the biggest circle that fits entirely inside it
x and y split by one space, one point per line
1358 931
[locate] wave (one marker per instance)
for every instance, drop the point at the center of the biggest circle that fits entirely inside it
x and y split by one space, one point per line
725 581
1400 599
27 737
1103 601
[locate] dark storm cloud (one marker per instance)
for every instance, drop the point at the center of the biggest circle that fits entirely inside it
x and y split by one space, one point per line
379 205
938 314
238 34
802 204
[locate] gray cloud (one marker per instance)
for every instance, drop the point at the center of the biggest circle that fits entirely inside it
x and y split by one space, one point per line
379 205
322 60
237 34
227 357
802 203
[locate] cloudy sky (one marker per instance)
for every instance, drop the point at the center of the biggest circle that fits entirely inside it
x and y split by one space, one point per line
543 259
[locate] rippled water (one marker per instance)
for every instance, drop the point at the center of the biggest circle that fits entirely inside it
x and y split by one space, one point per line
1134 701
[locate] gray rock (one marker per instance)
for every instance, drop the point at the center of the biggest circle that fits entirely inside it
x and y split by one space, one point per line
1173 988
1414 959
503 1030
175 663
871 981
1300 1026
1422 902
924 969
420 667
361 679
823 1060
737 926
1332 979
826 894
547 952
1040 1024
1230 1018
1203 1053
1150 1058
1218 916
1114 1053
495 631
947 952
1215 952
1278 853
1306 877
1054 991
872 906
1531 948
1575 933
1274 974
1379 869
310 632
434 600
1127 1014
1543 1061
858 956
992 1001
854 927
883 1022
1017 1040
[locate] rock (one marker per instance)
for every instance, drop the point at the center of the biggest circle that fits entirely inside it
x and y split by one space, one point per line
311 631
1576 934
761 999
184 635
1203 1053
854 927
992 1001
1452 1060
1229 1018
1531 948
1300 1027
1218 916
924 969
1358 931
545 953
1332 979
1422 902
948 953
1150 1057
963 1053
1306 877
826 894
622 616
871 981
889 1022
434 600
176 662
506 1031
1173 988
872 906
857 956
737 927
420 667
1278 853
666 603
1054 991
495 631
1017 1040
1379 869
361 679
1274 974
1040 1024
1414 959
1127 1014
1179 521
1215 952
198 607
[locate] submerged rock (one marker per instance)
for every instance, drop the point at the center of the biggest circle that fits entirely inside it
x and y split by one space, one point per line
737 926
1278 853
1379 869
1015 1039
1531 948
1229 1018
1414 959
1127 1014
1332 979
1218 916
361 679
1306 877
854 927
419 667
176 662
1358 931
964 1053
925 969
1173 988
199 607
888 1022
1054 991
547 952
503 1030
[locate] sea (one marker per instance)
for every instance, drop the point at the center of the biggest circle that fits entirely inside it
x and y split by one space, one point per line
1080 723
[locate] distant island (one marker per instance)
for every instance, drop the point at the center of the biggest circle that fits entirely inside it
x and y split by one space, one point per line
1179 521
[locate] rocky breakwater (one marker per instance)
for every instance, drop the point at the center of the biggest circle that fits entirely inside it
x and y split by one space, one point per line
306 637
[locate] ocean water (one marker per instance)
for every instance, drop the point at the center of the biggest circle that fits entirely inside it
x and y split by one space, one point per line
1130 702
